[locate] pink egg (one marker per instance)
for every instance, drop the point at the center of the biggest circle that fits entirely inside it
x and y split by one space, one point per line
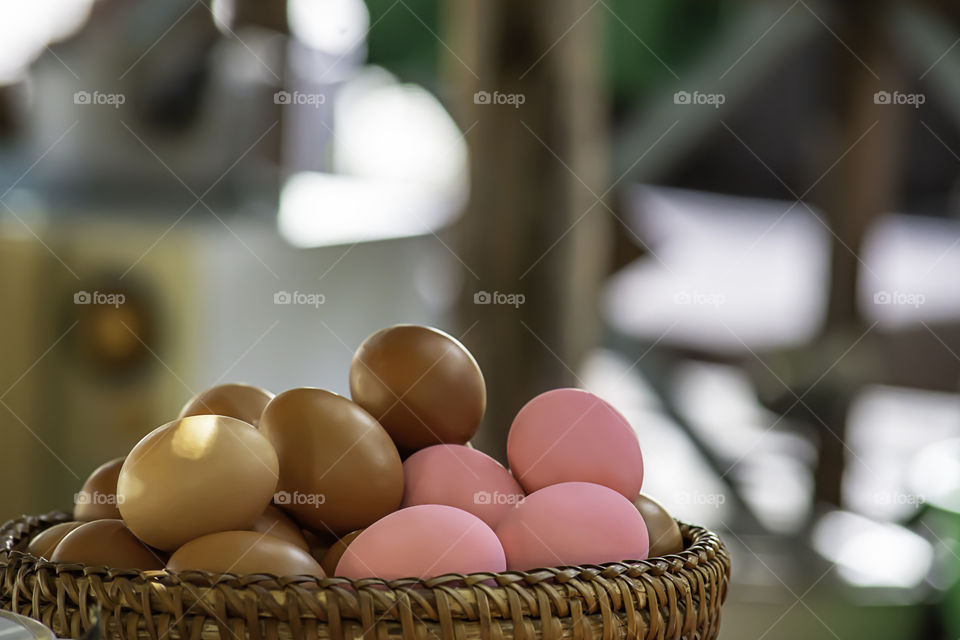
572 523
422 542
571 435
458 476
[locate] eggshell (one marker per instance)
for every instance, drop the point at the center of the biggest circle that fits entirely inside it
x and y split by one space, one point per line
572 523
571 435
106 543
458 476
423 541
663 530
195 476
332 557
421 384
43 544
275 522
244 552
97 499
339 470
241 401
318 544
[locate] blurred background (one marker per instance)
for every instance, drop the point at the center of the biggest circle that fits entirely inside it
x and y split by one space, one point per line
737 221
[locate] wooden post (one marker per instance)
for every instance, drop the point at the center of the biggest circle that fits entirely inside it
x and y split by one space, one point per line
527 88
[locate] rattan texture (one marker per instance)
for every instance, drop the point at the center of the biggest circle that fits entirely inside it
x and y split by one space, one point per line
673 597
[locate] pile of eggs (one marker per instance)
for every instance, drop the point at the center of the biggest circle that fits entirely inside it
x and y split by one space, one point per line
382 485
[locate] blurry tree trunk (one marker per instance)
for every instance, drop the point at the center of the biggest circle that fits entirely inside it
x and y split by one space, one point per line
533 225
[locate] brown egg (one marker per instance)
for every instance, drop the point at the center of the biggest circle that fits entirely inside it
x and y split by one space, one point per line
195 476
240 401
273 521
332 557
43 544
339 470
319 544
97 499
108 543
421 384
662 529
244 552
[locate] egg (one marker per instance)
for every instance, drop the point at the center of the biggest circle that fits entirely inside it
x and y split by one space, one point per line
663 530
339 470
572 523
318 544
571 435
241 401
43 544
422 542
244 552
332 557
106 543
421 384
458 476
97 499
275 522
195 476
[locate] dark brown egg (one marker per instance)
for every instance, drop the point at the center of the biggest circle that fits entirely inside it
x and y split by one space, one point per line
319 544
106 543
276 523
240 401
244 552
662 529
97 499
332 557
421 384
339 470
43 544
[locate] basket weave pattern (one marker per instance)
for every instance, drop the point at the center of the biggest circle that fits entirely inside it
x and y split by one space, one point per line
676 597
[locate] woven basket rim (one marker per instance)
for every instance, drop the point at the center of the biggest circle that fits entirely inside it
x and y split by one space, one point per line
670 597
703 546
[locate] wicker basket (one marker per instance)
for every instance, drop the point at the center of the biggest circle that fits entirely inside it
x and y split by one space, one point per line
677 596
